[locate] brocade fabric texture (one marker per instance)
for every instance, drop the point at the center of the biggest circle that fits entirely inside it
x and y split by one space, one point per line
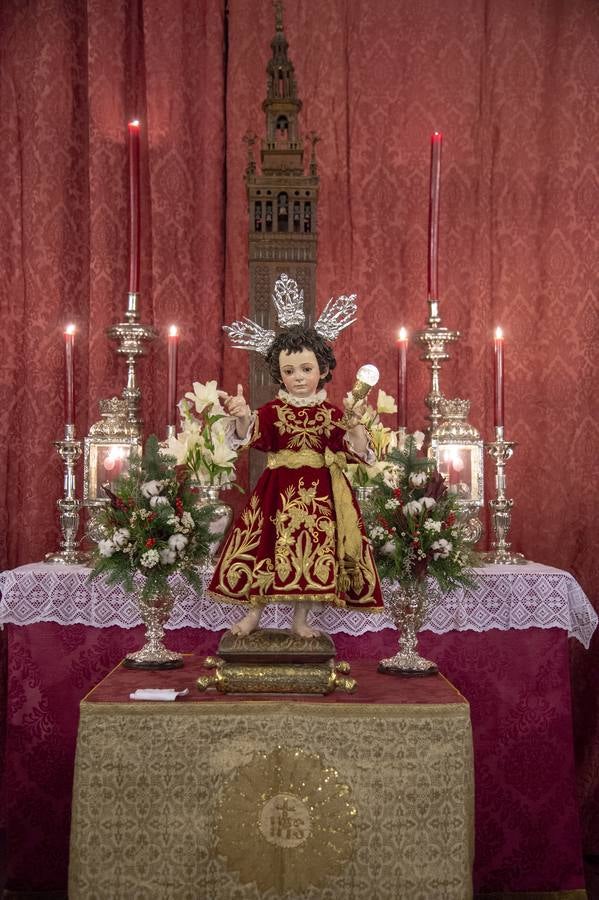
517 684
207 817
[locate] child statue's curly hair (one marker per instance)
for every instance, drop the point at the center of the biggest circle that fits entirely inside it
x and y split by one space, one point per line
294 340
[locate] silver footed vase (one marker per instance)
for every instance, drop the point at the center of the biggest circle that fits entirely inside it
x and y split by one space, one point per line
363 494
154 611
220 514
407 606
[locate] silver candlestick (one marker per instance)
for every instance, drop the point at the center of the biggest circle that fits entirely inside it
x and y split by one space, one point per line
69 451
501 451
132 337
434 338
171 432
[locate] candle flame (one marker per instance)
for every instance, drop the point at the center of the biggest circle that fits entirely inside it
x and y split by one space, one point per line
437 136
70 329
134 123
115 452
498 334
173 331
403 334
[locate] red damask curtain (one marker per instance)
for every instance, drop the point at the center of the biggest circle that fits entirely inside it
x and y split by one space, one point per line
512 85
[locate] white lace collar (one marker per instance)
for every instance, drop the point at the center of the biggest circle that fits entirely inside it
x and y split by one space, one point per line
313 400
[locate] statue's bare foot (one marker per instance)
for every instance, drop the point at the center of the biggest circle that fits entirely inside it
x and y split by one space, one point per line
248 624
305 631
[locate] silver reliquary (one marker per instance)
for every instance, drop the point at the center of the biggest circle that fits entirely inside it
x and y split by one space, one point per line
107 450
457 448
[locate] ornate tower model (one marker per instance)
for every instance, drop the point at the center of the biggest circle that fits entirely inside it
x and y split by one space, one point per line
282 202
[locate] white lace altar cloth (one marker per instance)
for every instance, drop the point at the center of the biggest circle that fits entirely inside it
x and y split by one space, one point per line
526 596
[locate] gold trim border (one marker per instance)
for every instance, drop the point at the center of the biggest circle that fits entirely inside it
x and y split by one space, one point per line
459 711
290 599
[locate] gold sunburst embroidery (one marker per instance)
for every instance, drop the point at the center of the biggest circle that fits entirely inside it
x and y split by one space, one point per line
292 811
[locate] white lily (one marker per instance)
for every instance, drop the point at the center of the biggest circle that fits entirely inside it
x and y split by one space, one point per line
385 403
223 455
390 477
205 395
383 440
181 445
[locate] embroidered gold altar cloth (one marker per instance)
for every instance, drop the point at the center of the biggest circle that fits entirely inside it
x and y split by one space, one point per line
220 796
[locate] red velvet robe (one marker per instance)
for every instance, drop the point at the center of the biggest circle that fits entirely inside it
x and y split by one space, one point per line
283 547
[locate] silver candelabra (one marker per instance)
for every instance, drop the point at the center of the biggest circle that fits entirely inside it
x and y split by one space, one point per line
501 451
69 451
132 337
434 338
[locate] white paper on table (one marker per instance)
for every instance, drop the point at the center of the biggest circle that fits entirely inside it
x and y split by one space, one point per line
157 694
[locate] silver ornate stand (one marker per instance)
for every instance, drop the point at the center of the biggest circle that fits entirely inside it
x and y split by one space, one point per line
434 337
154 612
132 337
69 451
363 494
407 606
501 451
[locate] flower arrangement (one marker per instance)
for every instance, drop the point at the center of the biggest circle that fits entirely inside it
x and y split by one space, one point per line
202 444
153 527
411 521
383 440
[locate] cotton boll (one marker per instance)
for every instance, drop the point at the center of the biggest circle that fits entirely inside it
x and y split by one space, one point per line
106 548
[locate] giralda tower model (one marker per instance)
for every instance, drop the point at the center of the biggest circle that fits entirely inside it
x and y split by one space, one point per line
282 202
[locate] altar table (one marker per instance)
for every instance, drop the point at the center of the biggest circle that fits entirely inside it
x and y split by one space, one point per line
503 645
211 797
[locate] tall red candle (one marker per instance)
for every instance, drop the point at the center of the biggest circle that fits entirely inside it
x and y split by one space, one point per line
433 216
69 346
402 380
171 403
134 207
498 378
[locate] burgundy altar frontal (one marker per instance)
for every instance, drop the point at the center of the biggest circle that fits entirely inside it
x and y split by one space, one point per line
517 684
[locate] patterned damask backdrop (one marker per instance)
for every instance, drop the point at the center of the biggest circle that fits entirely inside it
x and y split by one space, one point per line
513 86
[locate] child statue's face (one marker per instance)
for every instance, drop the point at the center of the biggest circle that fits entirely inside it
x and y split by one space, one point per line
300 373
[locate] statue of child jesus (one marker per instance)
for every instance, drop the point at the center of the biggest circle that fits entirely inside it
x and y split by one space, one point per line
300 539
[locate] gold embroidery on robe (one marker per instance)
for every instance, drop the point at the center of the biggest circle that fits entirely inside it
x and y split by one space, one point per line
300 538
305 543
306 430
238 558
